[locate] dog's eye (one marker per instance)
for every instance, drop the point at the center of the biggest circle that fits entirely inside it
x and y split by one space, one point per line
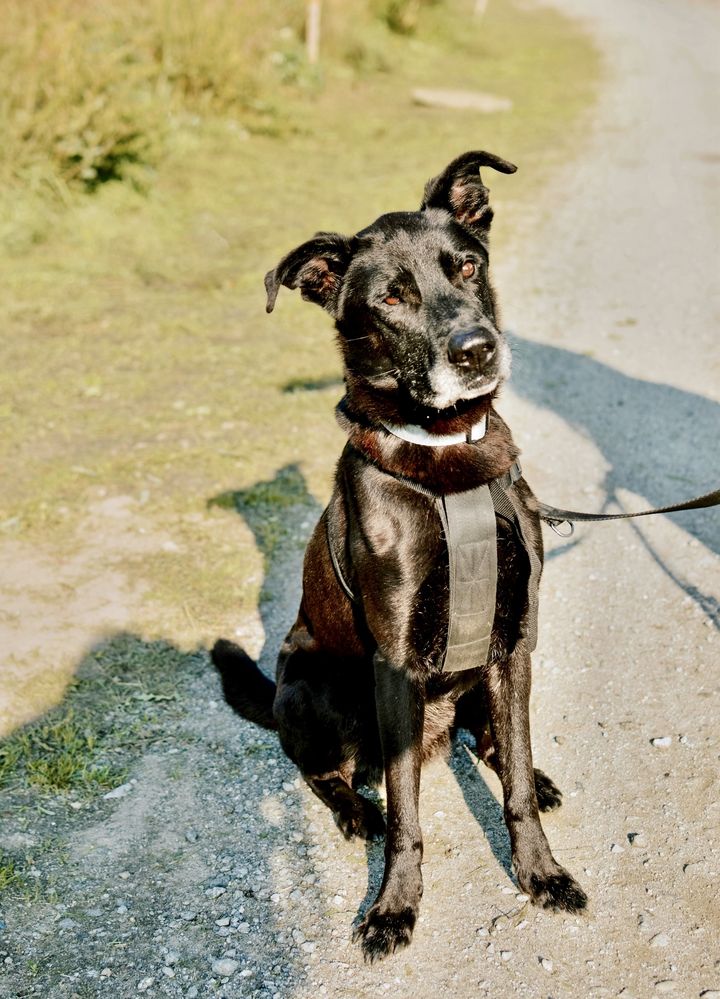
391 300
468 269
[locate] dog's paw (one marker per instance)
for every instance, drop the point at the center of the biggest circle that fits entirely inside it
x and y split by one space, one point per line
549 795
382 933
363 819
558 891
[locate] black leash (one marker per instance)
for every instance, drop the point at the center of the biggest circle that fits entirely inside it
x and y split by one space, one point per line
555 517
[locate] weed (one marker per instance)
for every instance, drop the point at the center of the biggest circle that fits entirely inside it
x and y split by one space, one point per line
9 875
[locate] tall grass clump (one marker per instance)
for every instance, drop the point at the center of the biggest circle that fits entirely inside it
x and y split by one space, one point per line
90 87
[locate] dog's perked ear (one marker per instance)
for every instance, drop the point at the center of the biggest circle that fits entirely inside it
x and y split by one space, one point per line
460 190
316 267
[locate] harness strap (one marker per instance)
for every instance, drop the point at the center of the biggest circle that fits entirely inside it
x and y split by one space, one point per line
508 506
468 520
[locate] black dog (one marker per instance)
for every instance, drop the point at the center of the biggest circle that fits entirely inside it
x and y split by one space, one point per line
361 688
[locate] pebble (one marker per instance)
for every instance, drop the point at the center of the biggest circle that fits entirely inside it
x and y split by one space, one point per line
547 964
168 972
660 742
215 892
244 928
225 967
660 940
145 984
192 835
637 839
710 994
665 987
225 921
120 792
106 972
308 946
506 955
188 915
172 957
616 848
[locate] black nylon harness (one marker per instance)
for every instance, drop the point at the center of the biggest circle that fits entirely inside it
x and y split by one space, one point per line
469 527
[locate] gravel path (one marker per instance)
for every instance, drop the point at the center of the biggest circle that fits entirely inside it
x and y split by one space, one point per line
215 873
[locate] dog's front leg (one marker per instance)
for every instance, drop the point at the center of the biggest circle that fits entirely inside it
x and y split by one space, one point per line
508 698
389 922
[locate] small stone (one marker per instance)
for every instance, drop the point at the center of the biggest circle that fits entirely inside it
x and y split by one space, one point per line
225 921
660 940
461 100
710 994
661 742
506 955
559 740
120 792
482 932
192 835
522 897
106 972
215 892
522 924
145 984
188 915
637 839
244 928
546 964
616 848
665 987
124 875
192 992
168 972
225 967
308 946
172 957
287 786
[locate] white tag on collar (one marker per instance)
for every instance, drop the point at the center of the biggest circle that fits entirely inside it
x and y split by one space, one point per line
418 435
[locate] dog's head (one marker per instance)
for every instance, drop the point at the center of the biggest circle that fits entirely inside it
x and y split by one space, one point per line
410 294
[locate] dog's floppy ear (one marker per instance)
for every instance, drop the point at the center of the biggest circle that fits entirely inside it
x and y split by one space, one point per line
460 191
315 267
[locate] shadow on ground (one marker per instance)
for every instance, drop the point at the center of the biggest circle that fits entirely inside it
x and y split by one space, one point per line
660 442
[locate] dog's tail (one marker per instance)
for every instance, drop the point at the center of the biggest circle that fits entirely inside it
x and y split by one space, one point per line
247 690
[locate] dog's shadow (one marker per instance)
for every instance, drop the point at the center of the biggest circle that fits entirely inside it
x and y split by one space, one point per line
659 441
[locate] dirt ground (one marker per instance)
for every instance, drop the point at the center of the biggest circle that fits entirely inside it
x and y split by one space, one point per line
211 871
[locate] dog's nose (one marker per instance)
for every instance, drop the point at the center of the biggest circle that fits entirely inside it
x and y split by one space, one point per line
471 348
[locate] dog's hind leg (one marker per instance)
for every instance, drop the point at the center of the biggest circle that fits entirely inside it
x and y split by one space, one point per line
507 689
472 715
354 814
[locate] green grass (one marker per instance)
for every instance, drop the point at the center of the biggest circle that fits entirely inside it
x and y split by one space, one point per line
137 357
119 703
